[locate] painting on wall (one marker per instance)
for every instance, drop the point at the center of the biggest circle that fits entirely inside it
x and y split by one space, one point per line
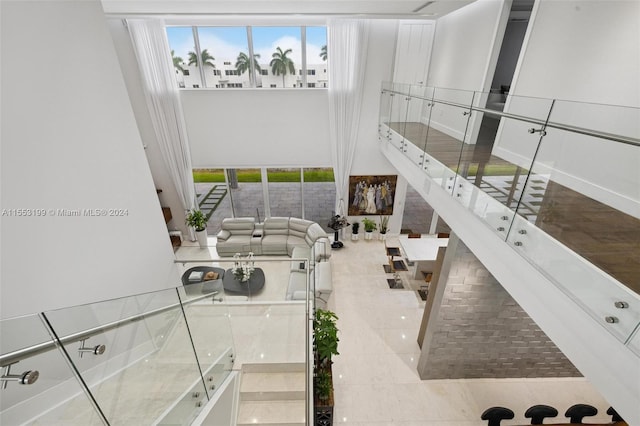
372 195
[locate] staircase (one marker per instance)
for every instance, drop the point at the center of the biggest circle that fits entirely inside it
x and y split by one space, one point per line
272 394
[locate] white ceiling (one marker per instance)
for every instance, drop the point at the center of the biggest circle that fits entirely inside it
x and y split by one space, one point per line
417 9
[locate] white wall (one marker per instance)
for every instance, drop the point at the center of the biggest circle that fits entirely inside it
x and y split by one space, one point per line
465 52
128 63
572 51
368 160
463 49
69 141
257 127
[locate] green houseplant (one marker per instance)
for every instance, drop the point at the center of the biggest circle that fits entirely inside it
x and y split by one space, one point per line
355 228
197 220
369 227
325 343
384 227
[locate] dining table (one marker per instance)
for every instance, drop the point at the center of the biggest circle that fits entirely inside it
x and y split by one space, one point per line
422 252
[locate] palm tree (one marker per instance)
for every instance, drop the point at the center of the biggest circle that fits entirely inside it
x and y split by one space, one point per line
323 52
281 64
205 57
177 61
243 63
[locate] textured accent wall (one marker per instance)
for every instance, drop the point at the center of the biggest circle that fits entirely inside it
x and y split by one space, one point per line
481 332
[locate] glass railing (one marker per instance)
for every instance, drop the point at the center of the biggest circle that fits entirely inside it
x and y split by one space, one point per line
155 358
556 180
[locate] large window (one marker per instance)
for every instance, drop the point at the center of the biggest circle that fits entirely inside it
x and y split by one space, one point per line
306 193
280 50
285 192
182 47
226 59
317 56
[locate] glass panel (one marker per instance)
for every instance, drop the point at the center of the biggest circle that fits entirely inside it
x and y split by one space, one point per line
210 331
580 206
385 111
590 287
225 55
56 397
317 71
246 193
417 213
319 195
212 195
398 118
285 192
280 53
148 367
183 51
634 343
446 131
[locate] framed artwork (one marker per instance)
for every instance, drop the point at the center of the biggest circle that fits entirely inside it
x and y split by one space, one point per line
372 195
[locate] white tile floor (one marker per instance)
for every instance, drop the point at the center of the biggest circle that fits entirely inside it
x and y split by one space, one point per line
375 376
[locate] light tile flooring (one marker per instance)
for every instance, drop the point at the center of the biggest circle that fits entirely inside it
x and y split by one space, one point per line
375 376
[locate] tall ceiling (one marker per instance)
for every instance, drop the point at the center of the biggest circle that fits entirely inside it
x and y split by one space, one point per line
407 9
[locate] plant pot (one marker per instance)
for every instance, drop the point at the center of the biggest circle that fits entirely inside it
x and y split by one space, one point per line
368 235
383 236
202 238
355 237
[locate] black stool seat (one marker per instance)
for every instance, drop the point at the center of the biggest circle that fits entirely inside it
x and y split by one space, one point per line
496 414
577 412
615 417
537 413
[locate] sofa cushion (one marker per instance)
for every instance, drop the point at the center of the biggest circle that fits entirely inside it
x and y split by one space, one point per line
274 244
314 232
293 242
324 282
300 253
322 248
223 235
297 285
276 226
238 225
298 227
236 244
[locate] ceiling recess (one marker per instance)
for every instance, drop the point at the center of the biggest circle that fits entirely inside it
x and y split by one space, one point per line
427 4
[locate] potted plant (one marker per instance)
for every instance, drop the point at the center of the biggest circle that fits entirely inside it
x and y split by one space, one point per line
325 343
369 227
384 226
197 220
355 228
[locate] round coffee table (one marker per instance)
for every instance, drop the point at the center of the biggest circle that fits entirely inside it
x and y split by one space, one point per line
247 288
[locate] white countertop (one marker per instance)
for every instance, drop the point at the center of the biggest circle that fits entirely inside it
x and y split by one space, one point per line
420 249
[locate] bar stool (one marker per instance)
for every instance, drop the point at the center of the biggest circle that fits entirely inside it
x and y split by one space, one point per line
537 413
615 417
496 414
578 411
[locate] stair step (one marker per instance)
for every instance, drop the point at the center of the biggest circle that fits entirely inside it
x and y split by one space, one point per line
272 386
272 413
273 367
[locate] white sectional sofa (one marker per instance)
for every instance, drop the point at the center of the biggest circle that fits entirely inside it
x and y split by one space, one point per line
293 237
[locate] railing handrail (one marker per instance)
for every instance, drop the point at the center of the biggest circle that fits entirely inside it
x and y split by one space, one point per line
574 129
20 354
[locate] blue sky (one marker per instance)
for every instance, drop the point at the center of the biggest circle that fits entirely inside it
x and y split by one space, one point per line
225 43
